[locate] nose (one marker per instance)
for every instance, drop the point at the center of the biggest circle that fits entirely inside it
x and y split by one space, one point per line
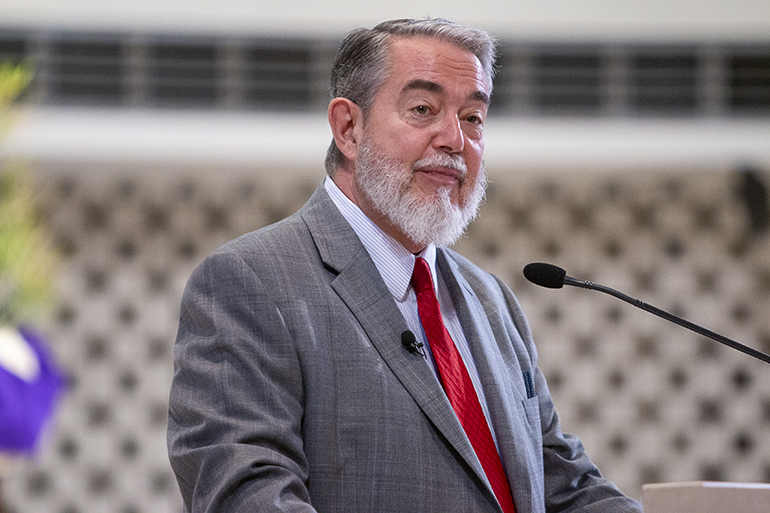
449 135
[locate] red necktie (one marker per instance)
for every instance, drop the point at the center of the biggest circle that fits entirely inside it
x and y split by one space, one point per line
458 385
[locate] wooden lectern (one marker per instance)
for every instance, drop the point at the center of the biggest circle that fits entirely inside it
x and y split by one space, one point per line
706 497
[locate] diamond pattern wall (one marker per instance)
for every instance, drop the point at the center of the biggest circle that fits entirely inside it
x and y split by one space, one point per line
652 402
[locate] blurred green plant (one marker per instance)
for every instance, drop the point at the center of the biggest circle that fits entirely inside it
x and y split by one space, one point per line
27 258
14 79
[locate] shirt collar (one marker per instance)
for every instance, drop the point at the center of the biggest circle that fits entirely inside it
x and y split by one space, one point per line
393 261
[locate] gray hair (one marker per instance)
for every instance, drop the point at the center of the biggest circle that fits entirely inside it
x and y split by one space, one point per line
360 66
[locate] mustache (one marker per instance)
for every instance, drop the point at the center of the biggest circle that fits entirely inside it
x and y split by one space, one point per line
455 162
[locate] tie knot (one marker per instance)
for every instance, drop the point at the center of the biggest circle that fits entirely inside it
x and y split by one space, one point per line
421 277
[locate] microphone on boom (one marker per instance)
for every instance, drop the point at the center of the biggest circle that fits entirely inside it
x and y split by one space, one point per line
553 277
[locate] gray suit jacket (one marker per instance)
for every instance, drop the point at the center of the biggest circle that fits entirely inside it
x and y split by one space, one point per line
292 390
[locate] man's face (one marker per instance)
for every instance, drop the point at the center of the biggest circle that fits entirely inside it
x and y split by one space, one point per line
419 163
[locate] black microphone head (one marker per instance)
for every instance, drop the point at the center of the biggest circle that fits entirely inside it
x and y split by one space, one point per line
545 275
408 339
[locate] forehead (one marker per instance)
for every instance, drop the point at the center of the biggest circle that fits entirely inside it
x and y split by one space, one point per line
424 58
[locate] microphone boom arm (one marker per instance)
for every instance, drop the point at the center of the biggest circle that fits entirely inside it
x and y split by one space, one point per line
669 317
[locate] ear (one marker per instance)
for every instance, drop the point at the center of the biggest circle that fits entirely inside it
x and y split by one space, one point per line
346 121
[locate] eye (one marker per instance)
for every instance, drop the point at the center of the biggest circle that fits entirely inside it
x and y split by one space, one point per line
474 119
422 109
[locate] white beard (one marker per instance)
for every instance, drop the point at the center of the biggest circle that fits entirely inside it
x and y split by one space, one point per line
388 186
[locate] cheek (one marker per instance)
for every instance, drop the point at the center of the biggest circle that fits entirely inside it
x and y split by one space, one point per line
474 156
413 147
408 142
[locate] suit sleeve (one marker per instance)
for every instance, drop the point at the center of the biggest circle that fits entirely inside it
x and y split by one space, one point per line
236 403
571 481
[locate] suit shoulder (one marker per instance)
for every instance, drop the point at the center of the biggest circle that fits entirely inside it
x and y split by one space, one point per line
472 272
285 235
487 286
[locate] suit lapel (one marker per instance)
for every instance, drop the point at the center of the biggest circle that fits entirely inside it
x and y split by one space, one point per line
499 372
360 286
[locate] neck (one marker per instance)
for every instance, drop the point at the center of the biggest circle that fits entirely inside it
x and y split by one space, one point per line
344 180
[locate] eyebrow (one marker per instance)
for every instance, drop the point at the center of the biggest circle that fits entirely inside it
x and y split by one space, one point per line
480 96
433 87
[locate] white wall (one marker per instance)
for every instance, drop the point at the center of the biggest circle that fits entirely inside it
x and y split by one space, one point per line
299 142
528 19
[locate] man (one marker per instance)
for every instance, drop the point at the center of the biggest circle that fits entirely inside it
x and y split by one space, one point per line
314 367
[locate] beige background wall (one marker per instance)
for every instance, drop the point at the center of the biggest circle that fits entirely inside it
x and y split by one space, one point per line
652 401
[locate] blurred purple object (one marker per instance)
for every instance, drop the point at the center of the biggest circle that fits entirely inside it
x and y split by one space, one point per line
25 406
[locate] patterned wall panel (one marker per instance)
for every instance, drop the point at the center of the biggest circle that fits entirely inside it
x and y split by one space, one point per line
651 401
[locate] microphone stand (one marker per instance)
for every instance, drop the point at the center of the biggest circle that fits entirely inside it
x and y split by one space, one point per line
669 317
